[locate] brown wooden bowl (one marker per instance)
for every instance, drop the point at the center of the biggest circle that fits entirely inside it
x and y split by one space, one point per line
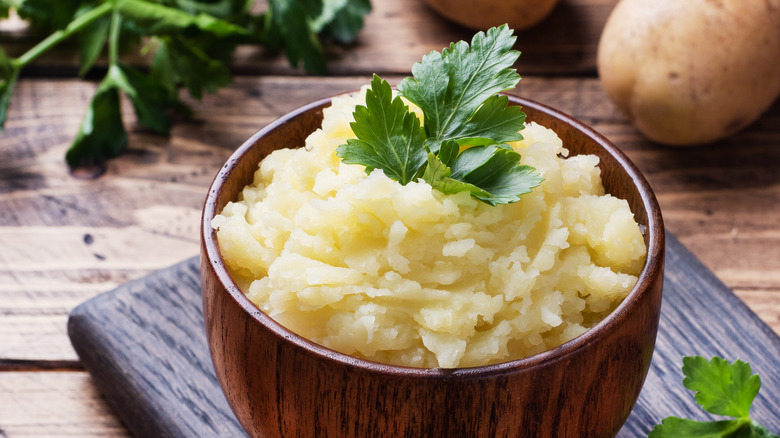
282 385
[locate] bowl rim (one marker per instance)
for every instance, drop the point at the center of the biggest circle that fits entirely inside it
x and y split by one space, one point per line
649 273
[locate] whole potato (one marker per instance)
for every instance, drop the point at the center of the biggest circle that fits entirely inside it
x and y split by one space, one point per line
483 14
691 71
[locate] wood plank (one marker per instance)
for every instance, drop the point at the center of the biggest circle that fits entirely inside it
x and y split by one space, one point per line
722 200
76 248
54 404
37 337
396 34
144 345
39 261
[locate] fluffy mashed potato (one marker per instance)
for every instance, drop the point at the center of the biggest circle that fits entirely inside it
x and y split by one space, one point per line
409 276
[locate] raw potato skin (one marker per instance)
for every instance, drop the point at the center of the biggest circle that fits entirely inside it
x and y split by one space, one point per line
690 72
484 14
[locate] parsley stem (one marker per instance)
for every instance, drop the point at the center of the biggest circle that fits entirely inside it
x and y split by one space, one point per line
113 39
58 36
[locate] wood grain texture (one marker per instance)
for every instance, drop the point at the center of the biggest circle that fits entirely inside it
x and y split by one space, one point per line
396 35
54 404
699 316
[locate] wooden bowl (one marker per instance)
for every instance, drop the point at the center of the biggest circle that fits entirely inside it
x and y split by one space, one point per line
282 385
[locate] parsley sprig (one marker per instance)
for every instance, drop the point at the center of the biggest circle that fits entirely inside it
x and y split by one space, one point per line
721 389
191 42
462 145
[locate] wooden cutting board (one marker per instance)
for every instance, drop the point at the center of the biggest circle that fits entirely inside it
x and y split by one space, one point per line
145 346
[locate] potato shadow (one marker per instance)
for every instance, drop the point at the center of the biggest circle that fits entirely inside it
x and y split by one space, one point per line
748 160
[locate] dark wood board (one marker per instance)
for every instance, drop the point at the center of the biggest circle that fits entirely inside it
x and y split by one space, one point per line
145 347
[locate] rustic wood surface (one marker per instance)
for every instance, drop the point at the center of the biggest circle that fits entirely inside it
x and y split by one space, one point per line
64 240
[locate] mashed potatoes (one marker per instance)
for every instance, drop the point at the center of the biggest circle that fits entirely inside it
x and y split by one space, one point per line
409 276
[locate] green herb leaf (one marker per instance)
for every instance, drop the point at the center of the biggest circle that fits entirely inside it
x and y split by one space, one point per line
457 92
8 76
155 19
673 427
91 40
495 121
183 61
438 173
328 11
50 14
759 431
450 86
149 99
194 42
230 10
347 20
497 171
101 135
289 24
721 389
389 136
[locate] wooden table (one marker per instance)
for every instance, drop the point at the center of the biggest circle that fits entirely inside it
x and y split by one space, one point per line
64 240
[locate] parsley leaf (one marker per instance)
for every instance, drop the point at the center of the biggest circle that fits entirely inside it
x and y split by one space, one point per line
8 76
674 427
389 136
450 86
346 19
497 171
191 63
232 10
721 389
102 134
491 173
91 40
493 122
288 23
149 99
457 92
439 175
296 24
49 14
192 42
156 19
